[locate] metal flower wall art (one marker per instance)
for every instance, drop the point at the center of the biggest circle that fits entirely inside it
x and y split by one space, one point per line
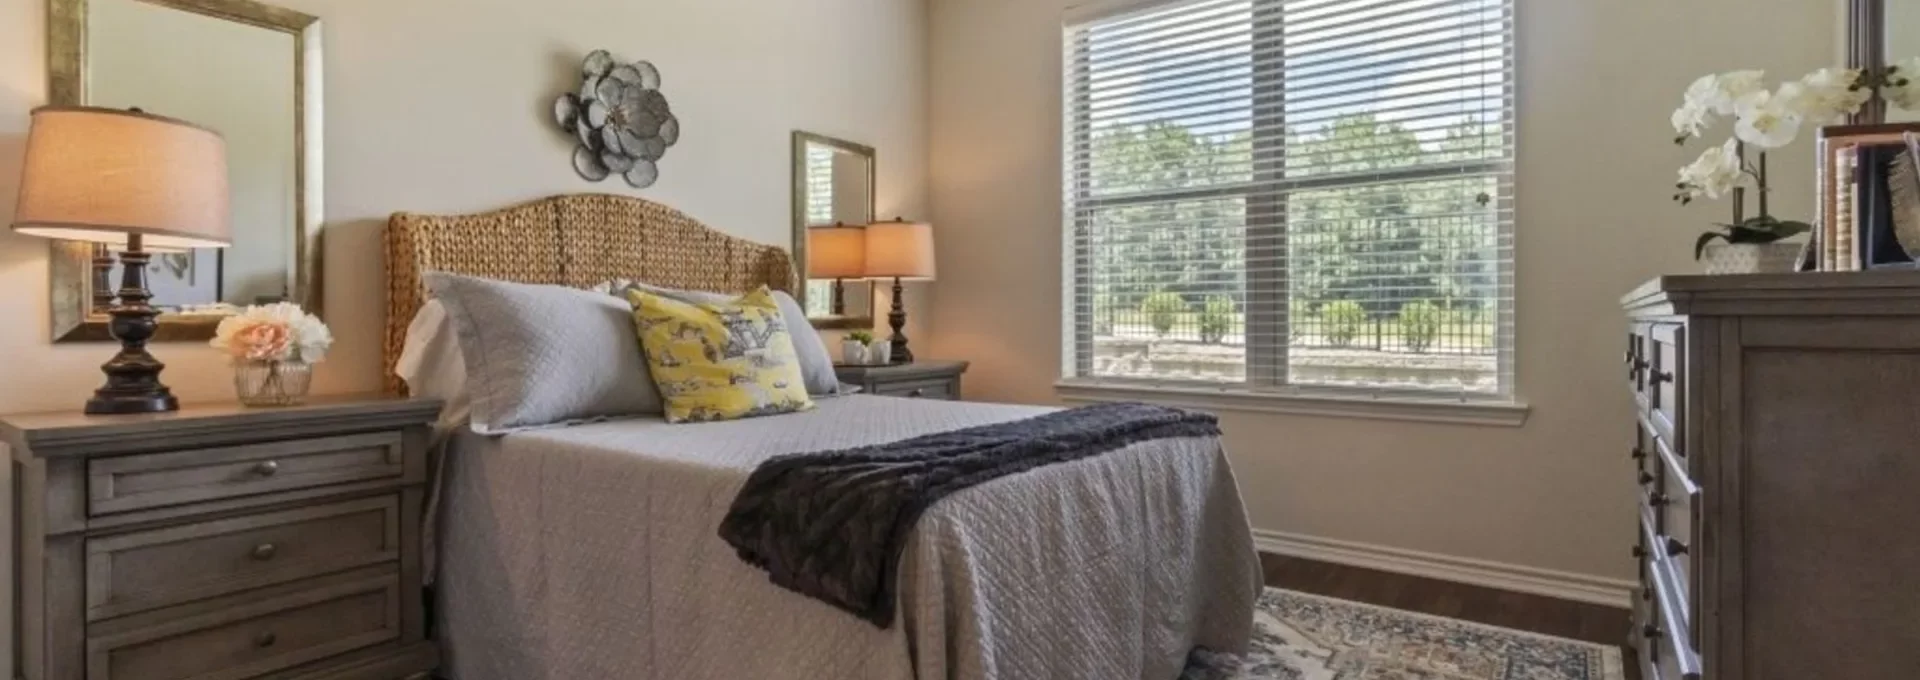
620 118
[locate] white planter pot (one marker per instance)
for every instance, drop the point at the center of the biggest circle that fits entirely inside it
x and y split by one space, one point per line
852 352
880 352
1752 258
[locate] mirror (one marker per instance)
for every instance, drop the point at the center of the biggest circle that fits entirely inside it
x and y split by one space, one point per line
246 70
832 198
1900 30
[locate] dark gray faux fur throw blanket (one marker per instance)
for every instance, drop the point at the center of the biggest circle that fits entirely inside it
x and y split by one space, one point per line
832 525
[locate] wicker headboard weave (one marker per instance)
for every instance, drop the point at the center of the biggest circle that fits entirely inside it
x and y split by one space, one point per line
574 240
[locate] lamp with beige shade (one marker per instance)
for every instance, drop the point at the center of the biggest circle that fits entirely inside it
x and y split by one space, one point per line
899 250
134 181
838 252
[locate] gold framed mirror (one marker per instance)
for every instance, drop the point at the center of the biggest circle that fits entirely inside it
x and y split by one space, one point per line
247 70
833 182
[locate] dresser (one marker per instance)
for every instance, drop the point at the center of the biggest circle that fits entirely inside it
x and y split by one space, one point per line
925 379
1777 460
221 542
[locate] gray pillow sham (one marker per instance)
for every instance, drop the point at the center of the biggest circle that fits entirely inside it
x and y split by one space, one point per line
816 365
544 355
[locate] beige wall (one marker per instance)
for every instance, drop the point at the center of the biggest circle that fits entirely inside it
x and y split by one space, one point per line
1597 81
444 106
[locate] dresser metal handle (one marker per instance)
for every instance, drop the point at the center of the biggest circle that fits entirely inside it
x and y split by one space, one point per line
1651 631
1675 548
265 551
1639 553
266 468
265 639
1645 478
1658 377
1639 453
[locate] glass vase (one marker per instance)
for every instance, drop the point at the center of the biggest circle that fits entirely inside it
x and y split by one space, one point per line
271 383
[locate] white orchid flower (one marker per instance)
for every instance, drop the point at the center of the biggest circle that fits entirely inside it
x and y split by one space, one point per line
1904 89
1733 86
1696 106
1827 95
1714 174
1768 121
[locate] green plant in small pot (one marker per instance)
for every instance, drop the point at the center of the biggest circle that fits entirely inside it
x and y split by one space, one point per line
853 348
1764 120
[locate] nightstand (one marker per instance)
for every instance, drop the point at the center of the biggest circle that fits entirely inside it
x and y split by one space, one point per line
925 379
222 541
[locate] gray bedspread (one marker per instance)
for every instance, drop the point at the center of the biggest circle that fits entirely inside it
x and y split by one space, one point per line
591 552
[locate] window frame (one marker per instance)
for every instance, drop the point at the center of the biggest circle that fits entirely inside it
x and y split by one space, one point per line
1266 193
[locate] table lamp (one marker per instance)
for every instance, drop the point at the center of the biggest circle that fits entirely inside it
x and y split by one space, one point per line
899 250
838 252
133 181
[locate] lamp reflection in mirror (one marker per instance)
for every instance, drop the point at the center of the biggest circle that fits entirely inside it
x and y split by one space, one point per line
133 181
899 250
838 252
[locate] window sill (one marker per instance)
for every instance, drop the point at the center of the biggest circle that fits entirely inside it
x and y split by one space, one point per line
1454 412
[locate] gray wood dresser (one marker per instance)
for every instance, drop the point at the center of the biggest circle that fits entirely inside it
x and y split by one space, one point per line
924 379
1778 462
221 542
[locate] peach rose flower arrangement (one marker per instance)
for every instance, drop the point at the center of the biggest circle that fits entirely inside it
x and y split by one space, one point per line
276 332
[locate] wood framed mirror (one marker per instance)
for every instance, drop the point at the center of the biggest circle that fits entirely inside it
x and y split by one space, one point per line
1881 33
833 182
247 70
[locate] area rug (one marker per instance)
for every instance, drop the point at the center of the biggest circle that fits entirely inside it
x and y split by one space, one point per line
1307 637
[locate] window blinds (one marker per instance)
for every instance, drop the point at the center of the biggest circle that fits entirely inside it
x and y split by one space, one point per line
1293 194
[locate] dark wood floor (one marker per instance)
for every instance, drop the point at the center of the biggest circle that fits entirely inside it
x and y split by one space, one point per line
1533 613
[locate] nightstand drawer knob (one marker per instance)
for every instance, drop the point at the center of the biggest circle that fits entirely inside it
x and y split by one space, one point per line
265 551
1675 548
918 392
265 639
266 468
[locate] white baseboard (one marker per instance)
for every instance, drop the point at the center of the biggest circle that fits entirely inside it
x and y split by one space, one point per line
1557 584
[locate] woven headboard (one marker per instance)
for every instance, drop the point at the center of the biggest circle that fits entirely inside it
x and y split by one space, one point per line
574 240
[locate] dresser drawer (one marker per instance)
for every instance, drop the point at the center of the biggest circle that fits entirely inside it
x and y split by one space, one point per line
144 570
1678 503
159 479
920 389
1663 387
256 638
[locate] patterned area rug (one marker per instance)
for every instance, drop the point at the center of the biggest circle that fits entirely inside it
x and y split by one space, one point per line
1307 637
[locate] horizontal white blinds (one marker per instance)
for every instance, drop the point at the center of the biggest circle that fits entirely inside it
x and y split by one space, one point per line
1288 193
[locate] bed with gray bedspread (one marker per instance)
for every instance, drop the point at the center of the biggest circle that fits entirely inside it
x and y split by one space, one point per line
591 552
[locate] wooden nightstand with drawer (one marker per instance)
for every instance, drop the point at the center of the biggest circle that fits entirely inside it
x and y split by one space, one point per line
920 380
222 542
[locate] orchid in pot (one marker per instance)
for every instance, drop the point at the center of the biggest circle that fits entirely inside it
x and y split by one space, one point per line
274 348
1764 120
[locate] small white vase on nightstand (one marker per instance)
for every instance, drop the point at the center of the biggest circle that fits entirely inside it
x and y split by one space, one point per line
852 352
880 352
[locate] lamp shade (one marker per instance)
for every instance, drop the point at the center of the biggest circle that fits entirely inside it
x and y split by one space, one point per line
100 175
900 249
836 252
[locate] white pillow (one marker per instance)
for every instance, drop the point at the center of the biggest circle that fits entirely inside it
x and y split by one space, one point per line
816 365
431 365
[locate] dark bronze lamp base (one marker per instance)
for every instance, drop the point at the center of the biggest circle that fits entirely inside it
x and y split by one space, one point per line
133 376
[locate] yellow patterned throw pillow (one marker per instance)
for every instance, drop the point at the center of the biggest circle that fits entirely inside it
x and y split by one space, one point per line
720 361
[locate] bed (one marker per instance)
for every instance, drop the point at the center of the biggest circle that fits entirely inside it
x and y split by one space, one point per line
590 551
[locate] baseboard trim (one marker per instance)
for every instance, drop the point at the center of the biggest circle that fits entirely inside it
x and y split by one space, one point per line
1556 584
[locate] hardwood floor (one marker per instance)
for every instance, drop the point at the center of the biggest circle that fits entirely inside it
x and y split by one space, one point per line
1533 613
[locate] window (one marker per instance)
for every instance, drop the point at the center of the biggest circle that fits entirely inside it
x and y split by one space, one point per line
1307 196
819 212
